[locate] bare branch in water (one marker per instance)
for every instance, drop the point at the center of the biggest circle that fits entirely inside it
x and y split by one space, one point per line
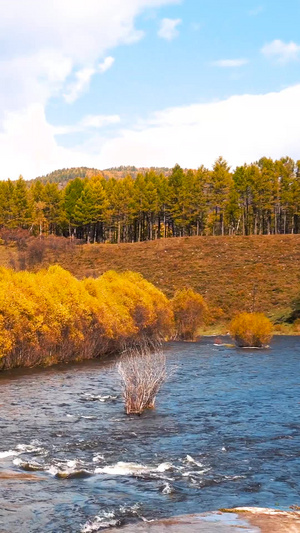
142 373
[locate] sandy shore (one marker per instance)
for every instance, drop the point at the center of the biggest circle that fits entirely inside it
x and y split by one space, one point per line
270 520
246 520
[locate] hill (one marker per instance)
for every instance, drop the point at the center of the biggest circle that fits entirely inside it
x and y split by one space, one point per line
232 273
123 171
62 176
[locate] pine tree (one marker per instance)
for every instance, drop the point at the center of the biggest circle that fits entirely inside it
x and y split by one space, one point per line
72 194
221 182
54 211
89 211
21 212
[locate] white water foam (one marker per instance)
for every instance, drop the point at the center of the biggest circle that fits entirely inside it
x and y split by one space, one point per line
93 398
195 472
26 465
190 459
21 448
17 461
8 453
105 520
168 489
68 469
98 458
130 469
33 447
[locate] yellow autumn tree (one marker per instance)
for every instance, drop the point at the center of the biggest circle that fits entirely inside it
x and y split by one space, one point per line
251 330
189 310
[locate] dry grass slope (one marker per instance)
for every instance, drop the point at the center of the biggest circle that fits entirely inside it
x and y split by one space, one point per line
230 272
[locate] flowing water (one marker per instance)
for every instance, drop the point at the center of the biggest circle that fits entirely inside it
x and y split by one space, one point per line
225 433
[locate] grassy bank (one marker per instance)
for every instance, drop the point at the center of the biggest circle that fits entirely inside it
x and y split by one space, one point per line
232 273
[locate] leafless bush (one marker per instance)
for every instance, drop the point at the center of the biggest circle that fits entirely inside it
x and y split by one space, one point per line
47 249
142 373
15 237
36 252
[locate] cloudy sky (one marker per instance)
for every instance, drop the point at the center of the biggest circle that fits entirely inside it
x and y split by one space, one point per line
103 83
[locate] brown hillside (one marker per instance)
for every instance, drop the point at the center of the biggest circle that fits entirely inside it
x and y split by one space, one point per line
228 271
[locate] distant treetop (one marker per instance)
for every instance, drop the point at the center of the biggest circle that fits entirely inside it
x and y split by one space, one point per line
123 167
62 176
129 168
66 174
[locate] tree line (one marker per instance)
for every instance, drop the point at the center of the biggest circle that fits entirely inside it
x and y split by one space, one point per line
254 199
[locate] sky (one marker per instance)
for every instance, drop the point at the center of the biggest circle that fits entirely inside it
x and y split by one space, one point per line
103 83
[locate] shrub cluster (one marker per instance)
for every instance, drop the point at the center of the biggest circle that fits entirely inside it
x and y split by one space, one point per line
251 330
189 310
50 316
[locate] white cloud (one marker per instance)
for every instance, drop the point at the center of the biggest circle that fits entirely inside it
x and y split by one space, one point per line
88 122
98 121
37 152
168 28
230 63
31 79
71 35
107 64
83 78
280 51
73 38
241 128
28 146
81 84
52 48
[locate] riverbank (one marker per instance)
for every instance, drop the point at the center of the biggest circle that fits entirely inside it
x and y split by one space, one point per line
271 520
232 273
249 520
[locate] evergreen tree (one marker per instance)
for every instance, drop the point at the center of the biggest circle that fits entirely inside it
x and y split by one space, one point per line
53 210
21 212
89 211
221 182
72 194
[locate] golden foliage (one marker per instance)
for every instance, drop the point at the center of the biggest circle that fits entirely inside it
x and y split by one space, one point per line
51 316
189 310
251 330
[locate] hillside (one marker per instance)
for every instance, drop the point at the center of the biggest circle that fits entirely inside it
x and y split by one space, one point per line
62 176
230 272
123 171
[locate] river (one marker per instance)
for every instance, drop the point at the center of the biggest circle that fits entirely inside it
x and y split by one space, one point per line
225 433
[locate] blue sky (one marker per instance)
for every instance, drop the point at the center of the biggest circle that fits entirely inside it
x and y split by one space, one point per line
147 82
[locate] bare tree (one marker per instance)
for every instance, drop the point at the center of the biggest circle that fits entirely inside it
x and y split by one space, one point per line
142 373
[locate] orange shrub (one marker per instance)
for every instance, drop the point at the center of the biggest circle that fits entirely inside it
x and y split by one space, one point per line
189 310
251 330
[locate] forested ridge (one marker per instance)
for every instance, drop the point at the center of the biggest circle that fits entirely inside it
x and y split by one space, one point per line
262 198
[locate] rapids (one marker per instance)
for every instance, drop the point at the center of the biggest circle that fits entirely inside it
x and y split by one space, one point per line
225 433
